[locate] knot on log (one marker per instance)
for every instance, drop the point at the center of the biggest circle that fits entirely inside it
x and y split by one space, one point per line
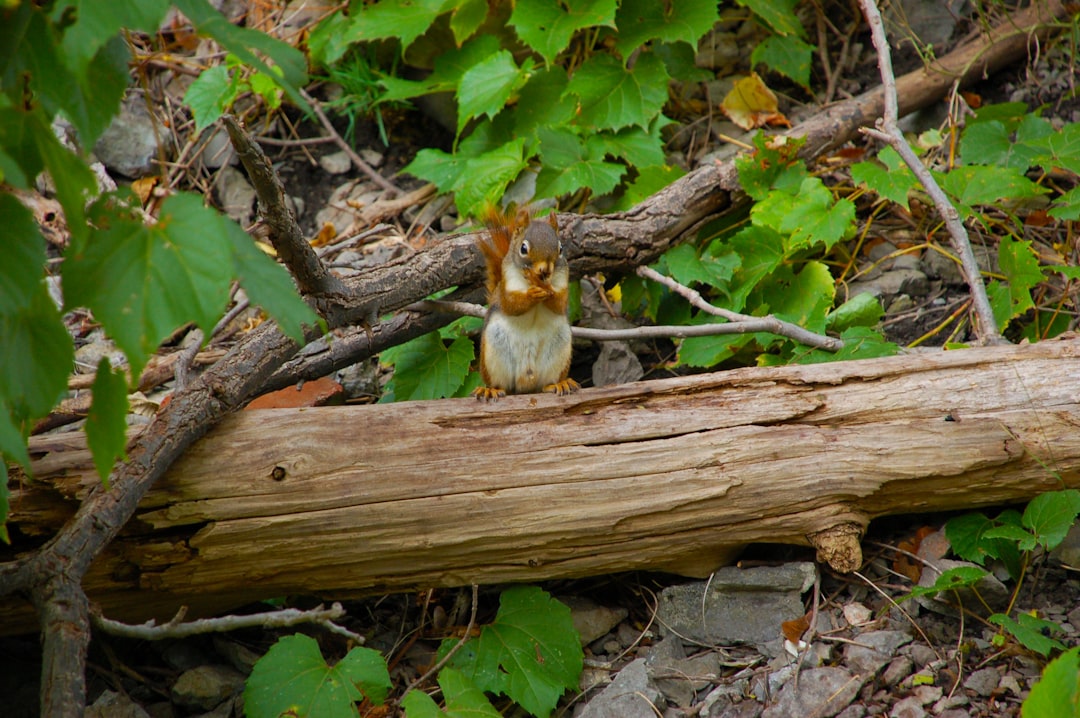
839 546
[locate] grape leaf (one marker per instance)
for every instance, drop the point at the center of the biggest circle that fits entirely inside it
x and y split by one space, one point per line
426 368
786 54
1057 694
548 26
293 679
106 423
1028 630
36 355
893 181
640 21
210 95
96 22
486 87
778 14
467 18
1021 267
862 310
612 97
1050 516
531 652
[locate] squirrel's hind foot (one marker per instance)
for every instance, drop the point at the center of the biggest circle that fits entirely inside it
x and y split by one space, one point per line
488 393
562 388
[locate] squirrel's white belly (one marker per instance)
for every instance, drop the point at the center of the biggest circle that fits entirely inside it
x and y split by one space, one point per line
525 353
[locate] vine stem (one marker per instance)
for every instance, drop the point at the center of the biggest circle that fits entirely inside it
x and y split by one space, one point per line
889 132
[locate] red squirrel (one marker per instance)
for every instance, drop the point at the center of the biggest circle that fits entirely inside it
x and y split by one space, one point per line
525 343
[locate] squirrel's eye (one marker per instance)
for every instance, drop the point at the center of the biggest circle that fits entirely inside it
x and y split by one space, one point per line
560 246
524 250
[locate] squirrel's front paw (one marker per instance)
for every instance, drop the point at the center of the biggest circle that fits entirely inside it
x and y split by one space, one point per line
540 291
488 393
562 388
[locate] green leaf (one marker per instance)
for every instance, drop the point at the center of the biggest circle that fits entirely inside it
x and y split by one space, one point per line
778 14
96 22
418 704
640 21
210 95
24 255
762 252
244 42
687 267
965 534
463 698
266 282
802 298
572 162
859 343
774 164
487 175
542 102
426 368
467 18
142 282
707 352
293 679
612 97
862 310
403 19
106 422
893 181
1051 515
1020 266
531 652
548 26
487 86
633 144
979 185
810 216
449 68
1057 694
1067 206
649 181
1028 630
36 355
442 169
950 580
786 54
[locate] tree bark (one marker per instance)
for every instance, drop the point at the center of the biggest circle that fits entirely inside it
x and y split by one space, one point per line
674 475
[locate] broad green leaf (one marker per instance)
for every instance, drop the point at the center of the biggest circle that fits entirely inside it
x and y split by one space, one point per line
36 355
96 22
403 19
267 283
802 298
774 163
531 652
426 368
598 176
975 185
893 181
1028 630
245 42
1000 302
24 261
547 26
418 704
778 14
486 176
20 161
463 698
965 534
210 95
486 87
1024 540
442 169
640 21
859 343
1050 515
986 143
329 41
142 282
1020 266
762 252
293 679
467 18
950 580
449 68
1009 114
106 423
687 267
633 144
647 182
1056 149
810 216
542 102
1067 206
862 310
786 54
612 97
707 352
1057 694
678 58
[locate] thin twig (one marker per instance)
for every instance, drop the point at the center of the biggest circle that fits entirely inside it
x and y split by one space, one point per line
889 132
346 147
176 628
457 646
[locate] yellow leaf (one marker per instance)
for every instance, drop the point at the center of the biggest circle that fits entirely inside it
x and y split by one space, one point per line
752 104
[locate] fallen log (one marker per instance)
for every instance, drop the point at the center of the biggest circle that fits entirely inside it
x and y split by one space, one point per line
674 475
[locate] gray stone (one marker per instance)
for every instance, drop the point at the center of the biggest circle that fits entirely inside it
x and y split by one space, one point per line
922 655
983 681
129 145
115 705
820 692
218 150
899 669
873 650
336 163
939 266
89 355
927 694
616 364
680 678
895 281
855 710
1068 552
741 606
990 590
907 708
183 655
591 620
206 687
630 695
236 195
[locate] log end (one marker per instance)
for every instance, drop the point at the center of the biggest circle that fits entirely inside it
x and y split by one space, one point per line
839 546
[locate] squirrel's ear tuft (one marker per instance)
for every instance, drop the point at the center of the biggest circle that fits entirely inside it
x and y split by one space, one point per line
553 221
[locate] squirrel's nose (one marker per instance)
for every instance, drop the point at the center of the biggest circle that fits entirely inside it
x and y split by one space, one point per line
544 270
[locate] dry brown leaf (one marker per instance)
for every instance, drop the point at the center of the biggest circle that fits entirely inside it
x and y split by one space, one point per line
752 104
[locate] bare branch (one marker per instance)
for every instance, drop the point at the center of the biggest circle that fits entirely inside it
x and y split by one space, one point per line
889 132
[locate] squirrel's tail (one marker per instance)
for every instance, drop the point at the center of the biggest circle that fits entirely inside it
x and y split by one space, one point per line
502 226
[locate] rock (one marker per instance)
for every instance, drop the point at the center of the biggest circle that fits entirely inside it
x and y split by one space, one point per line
183 655
630 695
899 669
741 606
239 656
115 705
873 650
1068 553
983 681
373 158
129 145
218 150
591 620
616 364
857 614
236 195
928 694
895 281
922 655
855 710
907 708
937 265
822 692
680 678
89 355
206 687
990 589
336 163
